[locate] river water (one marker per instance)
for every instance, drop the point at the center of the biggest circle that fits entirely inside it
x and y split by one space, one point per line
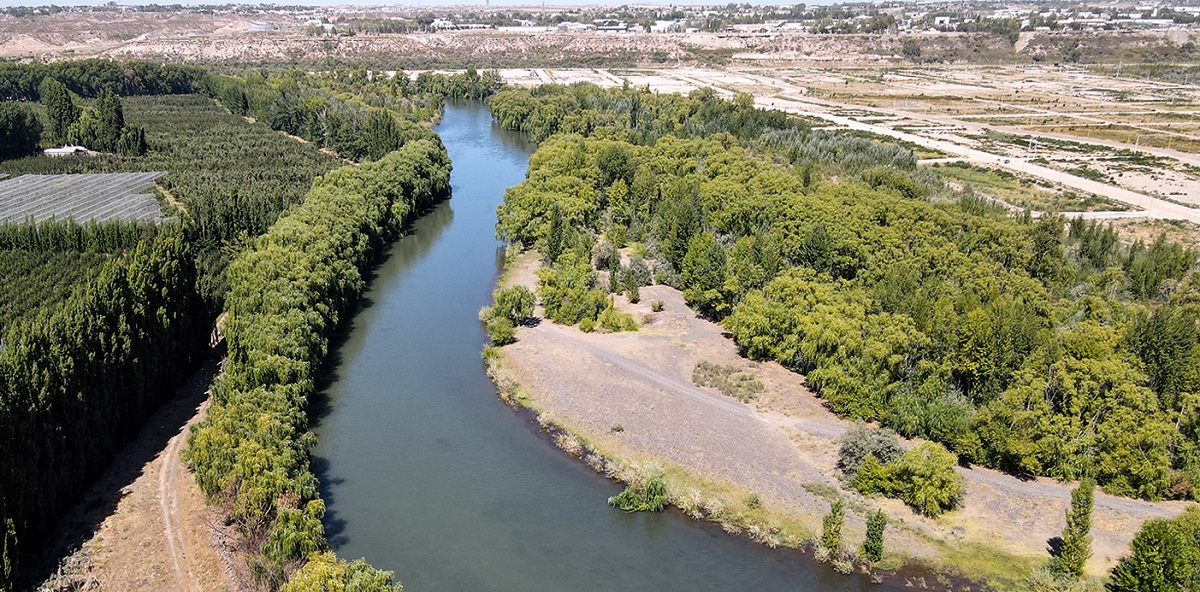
426 473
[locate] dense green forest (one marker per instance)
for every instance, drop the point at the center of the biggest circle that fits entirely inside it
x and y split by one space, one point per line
101 320
91 77
81 372
287 295
1043 347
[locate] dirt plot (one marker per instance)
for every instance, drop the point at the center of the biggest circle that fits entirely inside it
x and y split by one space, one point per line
782 446
144 525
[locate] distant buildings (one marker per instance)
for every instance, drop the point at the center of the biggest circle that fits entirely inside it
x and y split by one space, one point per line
66 151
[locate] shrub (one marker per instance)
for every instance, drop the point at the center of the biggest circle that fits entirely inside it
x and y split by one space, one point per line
639 272
1165 555
650 498
862 440
657 306
501 330
325 573
873 477
831 526
515 303
923 477
616 321
605 256
927 479
873 544
730 381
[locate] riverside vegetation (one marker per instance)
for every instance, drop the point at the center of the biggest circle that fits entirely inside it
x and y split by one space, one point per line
110 316
1035 346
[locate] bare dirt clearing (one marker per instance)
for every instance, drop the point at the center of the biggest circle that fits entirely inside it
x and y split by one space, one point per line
144 524
783 446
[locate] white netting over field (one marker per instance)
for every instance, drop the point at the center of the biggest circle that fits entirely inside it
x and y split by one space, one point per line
99 196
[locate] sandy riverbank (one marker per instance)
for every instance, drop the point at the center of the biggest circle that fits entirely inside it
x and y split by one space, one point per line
630 396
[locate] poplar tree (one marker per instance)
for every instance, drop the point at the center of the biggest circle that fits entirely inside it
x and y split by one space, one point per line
1076 537
831 530
20 131
873 545
60 109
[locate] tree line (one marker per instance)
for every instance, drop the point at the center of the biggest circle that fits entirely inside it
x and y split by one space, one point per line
78 379
634 115
91 77
288 293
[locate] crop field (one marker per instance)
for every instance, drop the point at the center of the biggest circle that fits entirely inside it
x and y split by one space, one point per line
31 281
83 197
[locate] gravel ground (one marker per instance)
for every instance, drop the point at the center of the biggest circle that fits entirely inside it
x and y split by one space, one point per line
787 439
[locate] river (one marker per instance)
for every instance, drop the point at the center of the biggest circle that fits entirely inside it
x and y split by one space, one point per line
426 473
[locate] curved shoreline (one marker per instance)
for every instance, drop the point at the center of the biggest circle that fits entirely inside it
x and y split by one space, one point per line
642 382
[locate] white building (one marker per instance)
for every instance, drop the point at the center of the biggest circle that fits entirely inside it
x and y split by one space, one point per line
66 151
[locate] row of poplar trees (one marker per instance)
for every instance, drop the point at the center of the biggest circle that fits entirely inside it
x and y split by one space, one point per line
79 380
286 297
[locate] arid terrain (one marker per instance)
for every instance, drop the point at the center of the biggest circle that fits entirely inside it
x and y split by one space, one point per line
633 394
252 37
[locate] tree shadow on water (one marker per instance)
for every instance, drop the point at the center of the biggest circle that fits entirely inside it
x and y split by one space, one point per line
335 525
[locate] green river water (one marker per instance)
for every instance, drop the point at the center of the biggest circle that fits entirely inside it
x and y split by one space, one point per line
426 473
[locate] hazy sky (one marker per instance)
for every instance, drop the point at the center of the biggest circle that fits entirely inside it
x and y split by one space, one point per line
6 3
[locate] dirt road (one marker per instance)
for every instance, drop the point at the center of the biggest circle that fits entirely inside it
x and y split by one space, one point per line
145 524
791 98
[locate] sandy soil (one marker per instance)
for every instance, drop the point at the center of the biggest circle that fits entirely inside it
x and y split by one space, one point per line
641 381
145 525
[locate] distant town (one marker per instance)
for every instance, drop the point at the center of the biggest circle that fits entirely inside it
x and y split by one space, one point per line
741 19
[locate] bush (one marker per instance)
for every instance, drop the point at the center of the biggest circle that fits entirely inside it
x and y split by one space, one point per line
873 477
1165 555
657 306
831 526
729 380
501 331
923 477
515 303
862 440
605 256
325 573
929 483
616 321
650 498
639 272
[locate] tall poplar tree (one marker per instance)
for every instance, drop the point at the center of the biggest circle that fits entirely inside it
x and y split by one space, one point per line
60 108
1076 537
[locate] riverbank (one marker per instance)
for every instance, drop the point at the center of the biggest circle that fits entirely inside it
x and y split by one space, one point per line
768 467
